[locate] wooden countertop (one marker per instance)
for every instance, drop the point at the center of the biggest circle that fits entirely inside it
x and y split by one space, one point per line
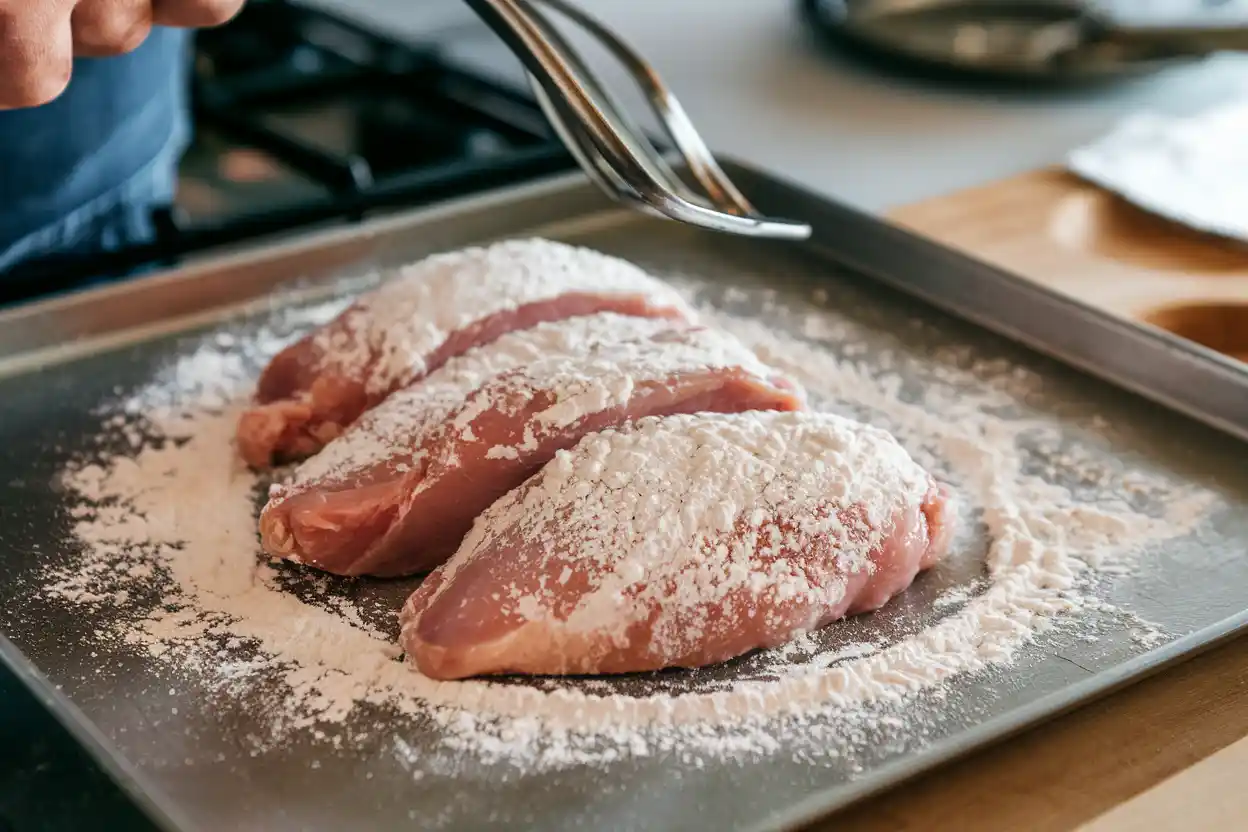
1170 752
1156 756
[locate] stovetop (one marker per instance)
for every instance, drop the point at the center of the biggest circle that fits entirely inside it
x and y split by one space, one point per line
303 118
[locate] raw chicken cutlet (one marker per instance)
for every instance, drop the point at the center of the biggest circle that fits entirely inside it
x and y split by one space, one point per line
386 438
408 512
412 324
367 468
680 542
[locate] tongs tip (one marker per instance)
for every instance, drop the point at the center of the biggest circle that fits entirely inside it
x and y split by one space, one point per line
608 146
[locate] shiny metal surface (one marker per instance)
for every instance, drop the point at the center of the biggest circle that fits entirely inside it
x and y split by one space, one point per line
1060 39
183 750
609 145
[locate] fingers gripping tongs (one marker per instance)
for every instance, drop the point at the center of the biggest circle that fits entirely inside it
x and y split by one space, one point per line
611 148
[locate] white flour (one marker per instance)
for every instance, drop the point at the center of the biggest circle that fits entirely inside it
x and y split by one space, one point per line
604 377
457 290
549 399
396 425
610 551
380 343
180 516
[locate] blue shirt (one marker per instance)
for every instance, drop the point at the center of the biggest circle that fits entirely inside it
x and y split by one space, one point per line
83 172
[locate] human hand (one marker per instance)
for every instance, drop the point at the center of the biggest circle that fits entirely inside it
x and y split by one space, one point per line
40 38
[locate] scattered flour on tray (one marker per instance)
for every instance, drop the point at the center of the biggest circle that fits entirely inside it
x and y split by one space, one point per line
165 509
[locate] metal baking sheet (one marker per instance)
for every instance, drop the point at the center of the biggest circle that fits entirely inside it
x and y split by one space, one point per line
189 768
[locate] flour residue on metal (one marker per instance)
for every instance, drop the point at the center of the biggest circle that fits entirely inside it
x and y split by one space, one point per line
165 507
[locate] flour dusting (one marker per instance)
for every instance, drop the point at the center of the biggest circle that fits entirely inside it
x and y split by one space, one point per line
382 339
708 530
389 432
165 517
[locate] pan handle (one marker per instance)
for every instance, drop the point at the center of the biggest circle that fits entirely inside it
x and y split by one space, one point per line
1172 39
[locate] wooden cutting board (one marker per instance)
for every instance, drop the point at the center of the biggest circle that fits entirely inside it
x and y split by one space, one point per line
1055 229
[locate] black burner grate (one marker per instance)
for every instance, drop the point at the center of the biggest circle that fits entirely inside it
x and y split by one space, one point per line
303 119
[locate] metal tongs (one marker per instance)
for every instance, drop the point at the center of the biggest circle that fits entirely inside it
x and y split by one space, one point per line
612 149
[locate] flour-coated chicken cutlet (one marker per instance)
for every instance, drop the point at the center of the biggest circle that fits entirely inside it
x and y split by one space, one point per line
680 542
398 519
428 313
330 506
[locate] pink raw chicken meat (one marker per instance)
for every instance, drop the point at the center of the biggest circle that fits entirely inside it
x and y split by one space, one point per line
433 310
407 516
385 438
358 480
680 542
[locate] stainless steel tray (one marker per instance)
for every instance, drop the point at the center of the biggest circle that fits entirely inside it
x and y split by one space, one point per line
189 770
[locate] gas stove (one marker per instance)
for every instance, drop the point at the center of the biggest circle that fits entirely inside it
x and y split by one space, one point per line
305 118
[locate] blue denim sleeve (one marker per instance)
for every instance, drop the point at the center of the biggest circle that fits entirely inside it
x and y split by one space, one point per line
82 173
